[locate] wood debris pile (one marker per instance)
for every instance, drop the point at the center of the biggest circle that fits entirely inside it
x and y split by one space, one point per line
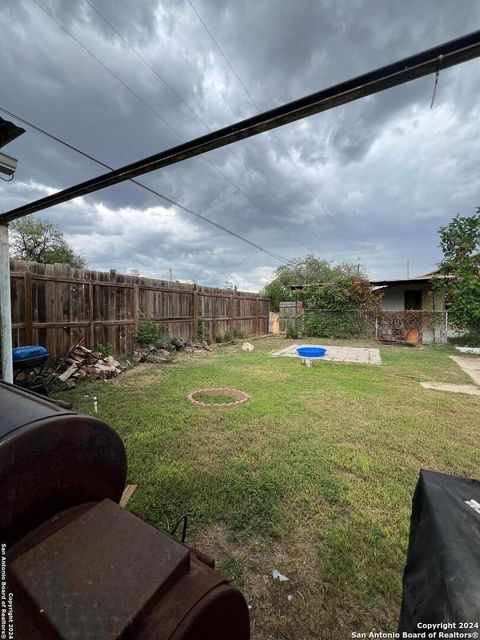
82 363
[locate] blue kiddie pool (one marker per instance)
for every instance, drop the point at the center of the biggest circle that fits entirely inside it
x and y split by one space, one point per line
311 352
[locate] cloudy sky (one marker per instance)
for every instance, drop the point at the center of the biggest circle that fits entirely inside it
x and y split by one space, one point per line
368 182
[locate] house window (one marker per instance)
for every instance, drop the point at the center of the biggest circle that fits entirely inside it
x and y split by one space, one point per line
413 300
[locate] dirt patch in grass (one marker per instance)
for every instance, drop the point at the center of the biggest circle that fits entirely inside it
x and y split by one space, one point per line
277 609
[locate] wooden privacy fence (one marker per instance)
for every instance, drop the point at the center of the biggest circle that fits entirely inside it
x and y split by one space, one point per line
56 305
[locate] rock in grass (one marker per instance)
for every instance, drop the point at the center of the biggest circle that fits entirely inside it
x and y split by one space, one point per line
177 343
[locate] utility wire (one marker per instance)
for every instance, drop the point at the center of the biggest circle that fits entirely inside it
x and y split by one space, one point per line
202 121
227 273
147 188
273 133
154 111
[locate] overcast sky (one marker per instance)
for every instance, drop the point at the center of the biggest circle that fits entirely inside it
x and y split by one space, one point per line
368 182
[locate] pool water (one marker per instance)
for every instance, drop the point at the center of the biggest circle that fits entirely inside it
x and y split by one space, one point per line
311 352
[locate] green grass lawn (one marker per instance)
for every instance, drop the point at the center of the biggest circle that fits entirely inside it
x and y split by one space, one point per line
313 476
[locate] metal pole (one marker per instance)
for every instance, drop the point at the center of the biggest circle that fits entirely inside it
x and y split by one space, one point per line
421 64
5 307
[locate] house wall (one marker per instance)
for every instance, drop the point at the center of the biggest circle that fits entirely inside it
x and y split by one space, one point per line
393 298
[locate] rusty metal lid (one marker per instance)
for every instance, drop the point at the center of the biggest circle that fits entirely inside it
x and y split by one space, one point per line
95 577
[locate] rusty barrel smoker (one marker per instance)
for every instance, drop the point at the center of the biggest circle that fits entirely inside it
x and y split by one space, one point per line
78 565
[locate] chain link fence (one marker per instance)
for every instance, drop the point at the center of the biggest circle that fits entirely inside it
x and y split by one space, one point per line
409 325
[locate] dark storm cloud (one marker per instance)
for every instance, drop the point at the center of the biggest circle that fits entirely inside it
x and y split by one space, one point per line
381 175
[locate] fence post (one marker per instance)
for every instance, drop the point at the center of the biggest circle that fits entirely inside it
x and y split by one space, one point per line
195 313
90 315
376 327
257 314
214 320
299 313
136 306
28 312
232 312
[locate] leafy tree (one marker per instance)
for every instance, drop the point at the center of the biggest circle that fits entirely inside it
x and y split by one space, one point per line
460 244
39 240
338 299
343 294
306 271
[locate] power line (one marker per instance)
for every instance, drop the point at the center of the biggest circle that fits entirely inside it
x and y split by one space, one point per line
145 62
146 187
274 134
151 109
202 121
416 66
227 273
224 274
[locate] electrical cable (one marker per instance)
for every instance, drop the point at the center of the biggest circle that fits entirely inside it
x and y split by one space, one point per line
144 186
154 111
202 121
273 133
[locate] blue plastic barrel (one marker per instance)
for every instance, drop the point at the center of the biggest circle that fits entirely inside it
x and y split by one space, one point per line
311 352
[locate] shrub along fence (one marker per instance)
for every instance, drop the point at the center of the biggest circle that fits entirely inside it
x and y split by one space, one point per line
423 326
56 305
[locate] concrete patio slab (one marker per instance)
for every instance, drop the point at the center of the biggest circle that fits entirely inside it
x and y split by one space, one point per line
469 389
471 366
360 355
474 350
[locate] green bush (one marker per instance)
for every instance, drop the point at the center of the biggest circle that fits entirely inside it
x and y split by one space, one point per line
334 325
146 334
236 333
219 338
104 349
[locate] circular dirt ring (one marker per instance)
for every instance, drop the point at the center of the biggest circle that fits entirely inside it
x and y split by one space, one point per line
240 397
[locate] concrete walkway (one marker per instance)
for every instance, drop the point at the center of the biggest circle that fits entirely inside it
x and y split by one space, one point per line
469 389
471 366
336 354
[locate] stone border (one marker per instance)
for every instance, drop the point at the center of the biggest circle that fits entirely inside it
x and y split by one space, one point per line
226 391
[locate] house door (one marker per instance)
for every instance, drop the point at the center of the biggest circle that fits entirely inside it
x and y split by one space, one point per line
413 300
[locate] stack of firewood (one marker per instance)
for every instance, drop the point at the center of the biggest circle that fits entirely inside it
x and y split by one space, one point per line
82 362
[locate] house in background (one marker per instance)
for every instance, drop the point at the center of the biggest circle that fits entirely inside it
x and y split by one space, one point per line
412 294
418 294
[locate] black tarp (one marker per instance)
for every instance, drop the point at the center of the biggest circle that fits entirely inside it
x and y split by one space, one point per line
441 582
